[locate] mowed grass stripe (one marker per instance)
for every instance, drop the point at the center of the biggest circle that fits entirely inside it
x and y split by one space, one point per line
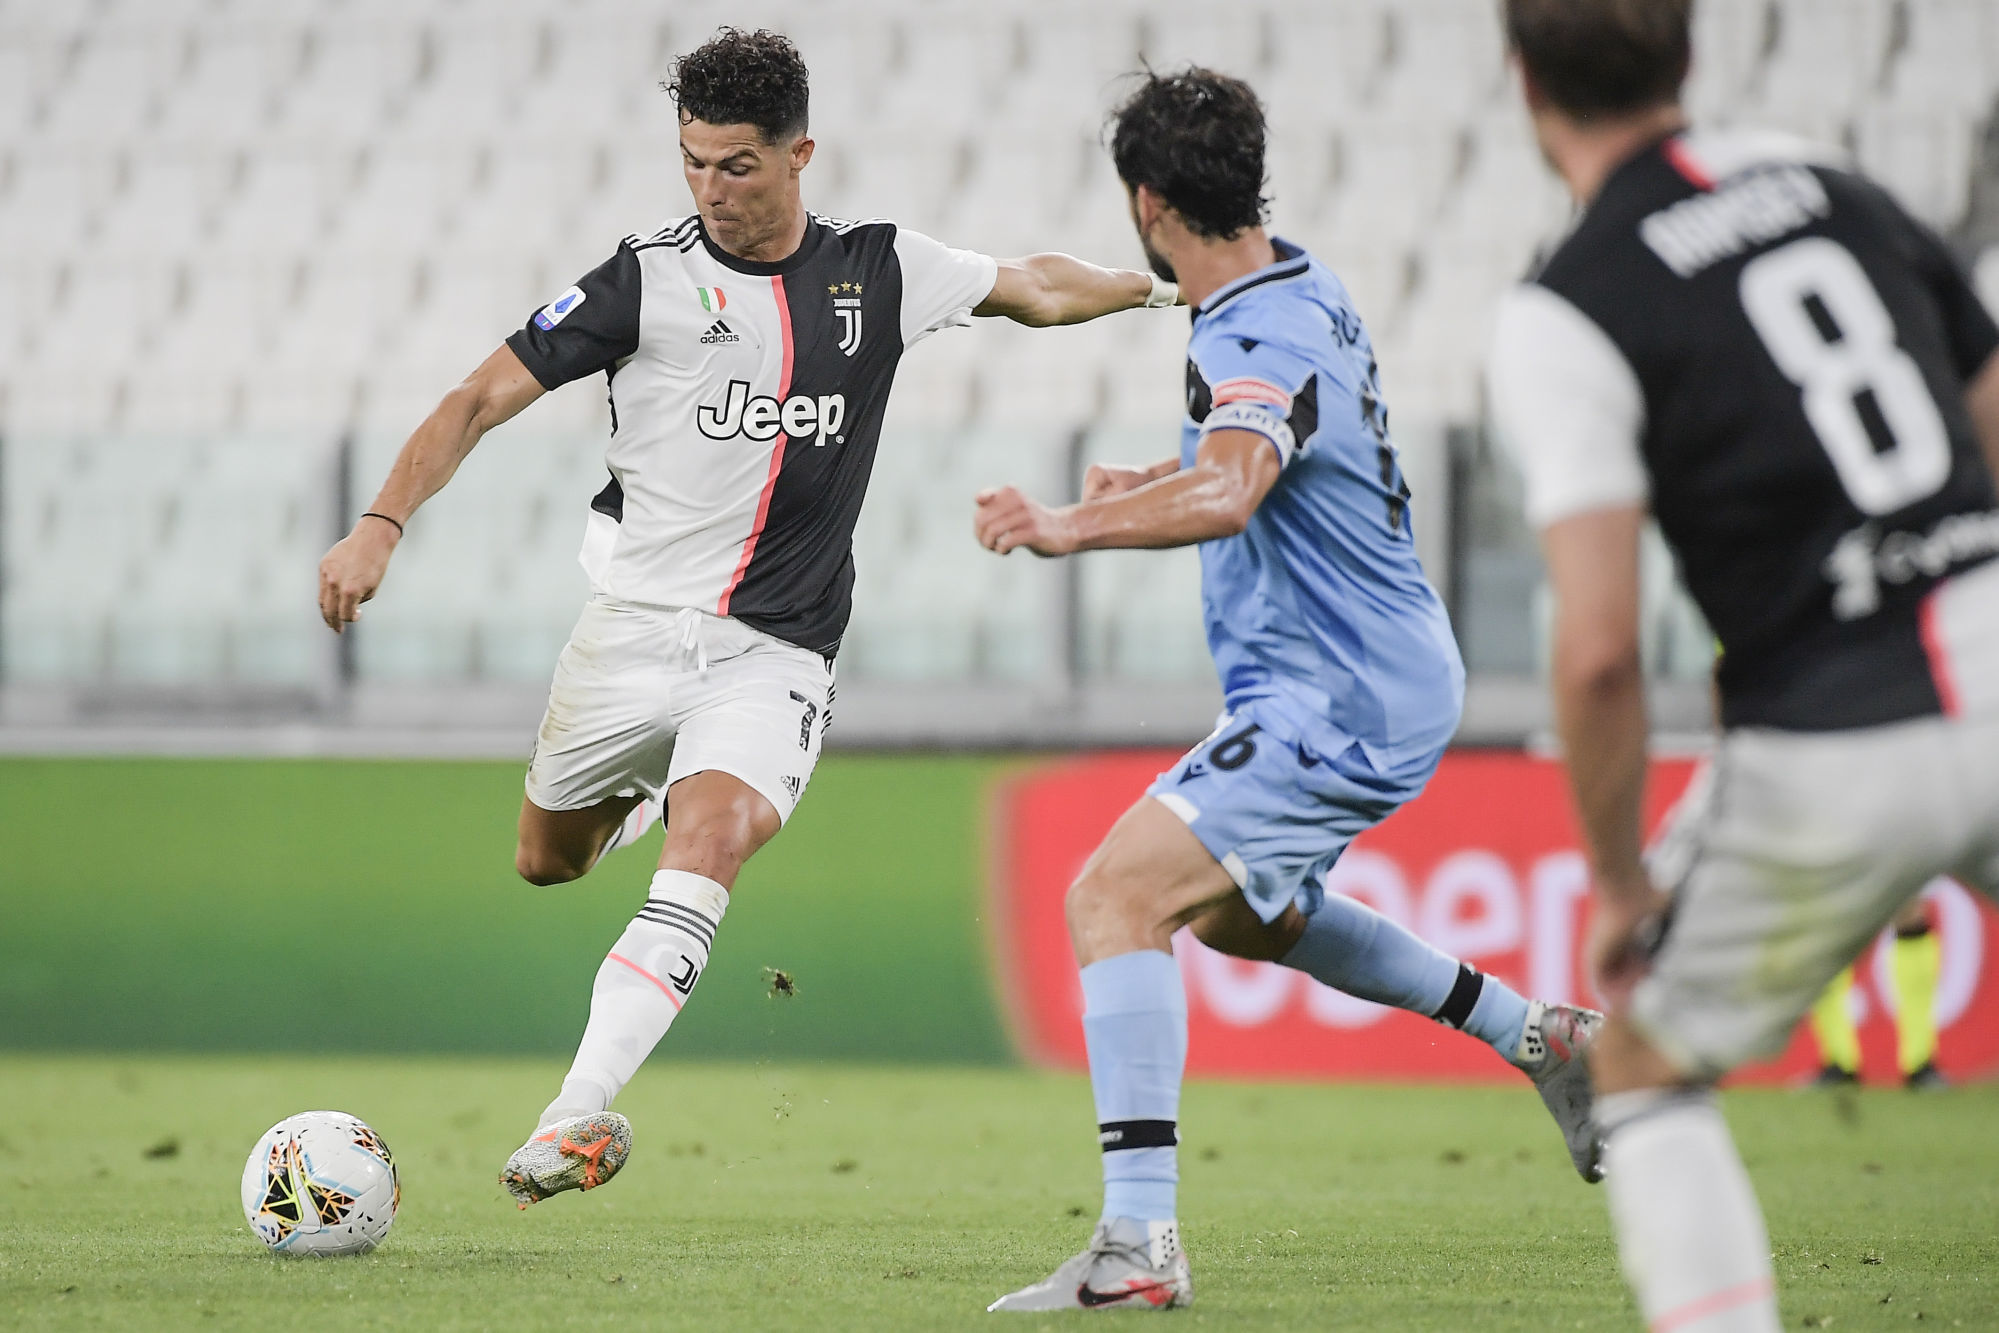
778 1196
217 905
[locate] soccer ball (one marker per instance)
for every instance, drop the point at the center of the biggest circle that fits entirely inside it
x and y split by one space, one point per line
321 1183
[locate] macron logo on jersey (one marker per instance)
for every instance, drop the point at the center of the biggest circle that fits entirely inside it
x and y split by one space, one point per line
558 310
761 418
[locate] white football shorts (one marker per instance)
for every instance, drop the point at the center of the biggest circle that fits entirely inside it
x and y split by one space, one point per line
645 696
1789 855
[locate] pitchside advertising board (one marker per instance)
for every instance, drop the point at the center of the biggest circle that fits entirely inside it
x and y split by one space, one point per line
1485 865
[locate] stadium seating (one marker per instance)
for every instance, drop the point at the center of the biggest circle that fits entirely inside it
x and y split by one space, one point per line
237 232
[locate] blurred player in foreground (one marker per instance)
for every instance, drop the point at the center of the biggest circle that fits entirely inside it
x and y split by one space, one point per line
1760 349
1342 683
749 351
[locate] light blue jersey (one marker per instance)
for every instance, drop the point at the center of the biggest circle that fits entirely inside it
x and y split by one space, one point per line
1320 607
1341 676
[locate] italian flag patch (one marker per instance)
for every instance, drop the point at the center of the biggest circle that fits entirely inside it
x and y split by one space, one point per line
712 299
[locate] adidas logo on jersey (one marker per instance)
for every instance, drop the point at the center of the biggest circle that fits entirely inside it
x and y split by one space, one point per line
720 332
800 416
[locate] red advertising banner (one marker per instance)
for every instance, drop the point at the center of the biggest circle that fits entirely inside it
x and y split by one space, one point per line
1484 865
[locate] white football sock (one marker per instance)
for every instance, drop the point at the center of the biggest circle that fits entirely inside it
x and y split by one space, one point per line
642 817
641 986
1688 1229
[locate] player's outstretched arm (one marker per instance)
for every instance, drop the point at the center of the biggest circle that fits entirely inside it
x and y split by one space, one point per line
1232 472
1043 290
1599 688
352 571
1104 480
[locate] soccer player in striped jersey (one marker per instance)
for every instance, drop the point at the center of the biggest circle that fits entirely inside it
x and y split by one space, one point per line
749 350
1752 344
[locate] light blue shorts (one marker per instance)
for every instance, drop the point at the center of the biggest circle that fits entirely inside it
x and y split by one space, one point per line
1274 812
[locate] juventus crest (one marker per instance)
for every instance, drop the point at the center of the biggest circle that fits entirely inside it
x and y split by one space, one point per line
847 309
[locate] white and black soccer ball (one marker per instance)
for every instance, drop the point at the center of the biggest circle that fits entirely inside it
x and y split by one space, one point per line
321 1183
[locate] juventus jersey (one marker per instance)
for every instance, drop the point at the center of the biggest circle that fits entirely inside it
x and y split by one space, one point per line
1764 347
746 403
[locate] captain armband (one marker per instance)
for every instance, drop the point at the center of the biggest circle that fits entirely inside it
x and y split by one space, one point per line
1257 417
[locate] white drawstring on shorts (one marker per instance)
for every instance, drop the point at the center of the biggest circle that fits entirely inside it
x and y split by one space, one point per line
688 622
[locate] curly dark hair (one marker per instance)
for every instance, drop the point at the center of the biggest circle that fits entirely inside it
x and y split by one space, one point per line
743 78
1603 57
1196 138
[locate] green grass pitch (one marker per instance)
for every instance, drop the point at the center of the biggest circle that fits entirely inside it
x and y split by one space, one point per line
350 921
803 1196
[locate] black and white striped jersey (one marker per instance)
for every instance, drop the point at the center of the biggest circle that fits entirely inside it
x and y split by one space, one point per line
1762 347
746 403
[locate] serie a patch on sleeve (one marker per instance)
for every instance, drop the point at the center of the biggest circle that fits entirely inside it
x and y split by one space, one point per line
558 310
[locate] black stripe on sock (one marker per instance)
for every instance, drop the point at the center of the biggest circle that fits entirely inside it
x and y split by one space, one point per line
1118 1135
680 918
692 929
1457 1008
661 907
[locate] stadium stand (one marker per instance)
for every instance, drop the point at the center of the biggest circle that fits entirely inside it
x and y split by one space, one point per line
247 243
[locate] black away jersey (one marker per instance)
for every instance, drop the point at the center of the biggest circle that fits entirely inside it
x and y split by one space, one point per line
1762 346
746 403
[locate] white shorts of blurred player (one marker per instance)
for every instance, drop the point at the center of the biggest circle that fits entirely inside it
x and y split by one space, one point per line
1786 858
645 696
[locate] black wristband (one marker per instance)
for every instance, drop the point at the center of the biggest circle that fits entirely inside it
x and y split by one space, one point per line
386 519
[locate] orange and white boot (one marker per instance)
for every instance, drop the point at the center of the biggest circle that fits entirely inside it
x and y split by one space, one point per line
580 1153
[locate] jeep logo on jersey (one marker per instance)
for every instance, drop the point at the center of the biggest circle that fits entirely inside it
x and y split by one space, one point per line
558 310
847 309
762 417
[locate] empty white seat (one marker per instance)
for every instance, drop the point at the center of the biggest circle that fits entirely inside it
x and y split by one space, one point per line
1394 176
110 92
351 81
1234 40
25 73
1828 54
104 317
168 402
44 403
284 205
167 207
1327 59
1731 43
1924 159
1449 59
53 201
1950 57
232 89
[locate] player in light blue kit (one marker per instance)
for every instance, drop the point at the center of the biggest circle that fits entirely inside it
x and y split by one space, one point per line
1342 682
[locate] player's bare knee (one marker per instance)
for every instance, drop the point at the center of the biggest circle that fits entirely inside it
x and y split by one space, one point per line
543 866
1111 914
1087 901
